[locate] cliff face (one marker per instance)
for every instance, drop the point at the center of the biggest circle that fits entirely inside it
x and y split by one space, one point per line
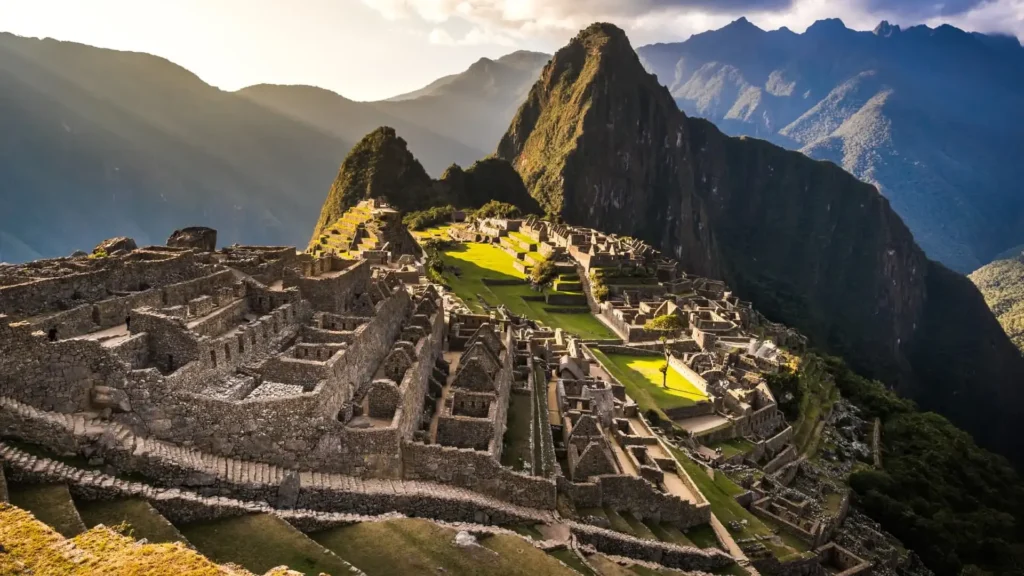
602 143
1002 285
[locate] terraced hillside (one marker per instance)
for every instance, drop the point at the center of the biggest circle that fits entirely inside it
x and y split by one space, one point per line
485 276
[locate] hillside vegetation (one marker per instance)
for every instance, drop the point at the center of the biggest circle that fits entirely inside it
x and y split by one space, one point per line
1002 285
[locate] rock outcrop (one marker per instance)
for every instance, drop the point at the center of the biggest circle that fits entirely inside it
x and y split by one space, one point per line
602 143
195 237
118 243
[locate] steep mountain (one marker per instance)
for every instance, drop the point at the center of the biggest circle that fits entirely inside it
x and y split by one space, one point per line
600 141
454 119
381 166
1002 285
96 142
930 116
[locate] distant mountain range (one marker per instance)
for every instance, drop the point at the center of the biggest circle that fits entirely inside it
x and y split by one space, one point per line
931 116
96 142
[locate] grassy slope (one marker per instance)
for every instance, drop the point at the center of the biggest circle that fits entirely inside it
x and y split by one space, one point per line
720 493
478 261
1002 285
31 547
260 542
640 376
412 546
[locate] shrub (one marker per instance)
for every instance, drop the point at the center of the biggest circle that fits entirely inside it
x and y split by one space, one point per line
543 273
672 323
423 219
495 209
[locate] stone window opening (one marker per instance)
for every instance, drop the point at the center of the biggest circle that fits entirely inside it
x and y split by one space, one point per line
96 315
52 334
253 338
227 352
213 358
241 343
170 362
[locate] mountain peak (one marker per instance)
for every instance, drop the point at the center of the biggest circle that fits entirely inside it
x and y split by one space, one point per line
885 30
743 24
602 31
827 26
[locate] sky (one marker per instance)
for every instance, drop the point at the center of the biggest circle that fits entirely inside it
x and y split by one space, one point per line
374 49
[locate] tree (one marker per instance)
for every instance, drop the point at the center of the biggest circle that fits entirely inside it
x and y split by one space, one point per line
543 273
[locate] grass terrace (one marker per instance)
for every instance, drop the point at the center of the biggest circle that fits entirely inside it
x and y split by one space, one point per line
477 261
435 233
413 546
720 493
259 542
642 379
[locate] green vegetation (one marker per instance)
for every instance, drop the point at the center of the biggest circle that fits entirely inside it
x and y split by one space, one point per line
671 323
475 262
495 209
140 520
952 502
570 559
412 546
516 451
642 378
543 273
720 494
429 218
259 542
1002 285
31 547
50 503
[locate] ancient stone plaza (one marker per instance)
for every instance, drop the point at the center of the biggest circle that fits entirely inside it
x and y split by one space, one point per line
330 388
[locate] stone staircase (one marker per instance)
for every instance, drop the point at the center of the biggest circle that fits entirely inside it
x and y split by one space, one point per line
187 467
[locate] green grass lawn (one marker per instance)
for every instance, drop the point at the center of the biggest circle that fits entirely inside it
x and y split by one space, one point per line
642 379
437 232
413 546
719 493
259 542
733 447
478 261
517 432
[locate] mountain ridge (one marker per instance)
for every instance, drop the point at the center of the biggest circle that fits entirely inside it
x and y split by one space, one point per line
601 141
948 99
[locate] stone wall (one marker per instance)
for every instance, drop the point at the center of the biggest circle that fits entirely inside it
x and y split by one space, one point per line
477 471
53 375
669 555
334 291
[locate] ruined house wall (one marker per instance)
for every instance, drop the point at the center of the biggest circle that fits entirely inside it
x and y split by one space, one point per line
641 498
477 471
55 376
332 294
118 274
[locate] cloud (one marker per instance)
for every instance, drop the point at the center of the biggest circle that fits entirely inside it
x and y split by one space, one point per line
475 37
508 22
